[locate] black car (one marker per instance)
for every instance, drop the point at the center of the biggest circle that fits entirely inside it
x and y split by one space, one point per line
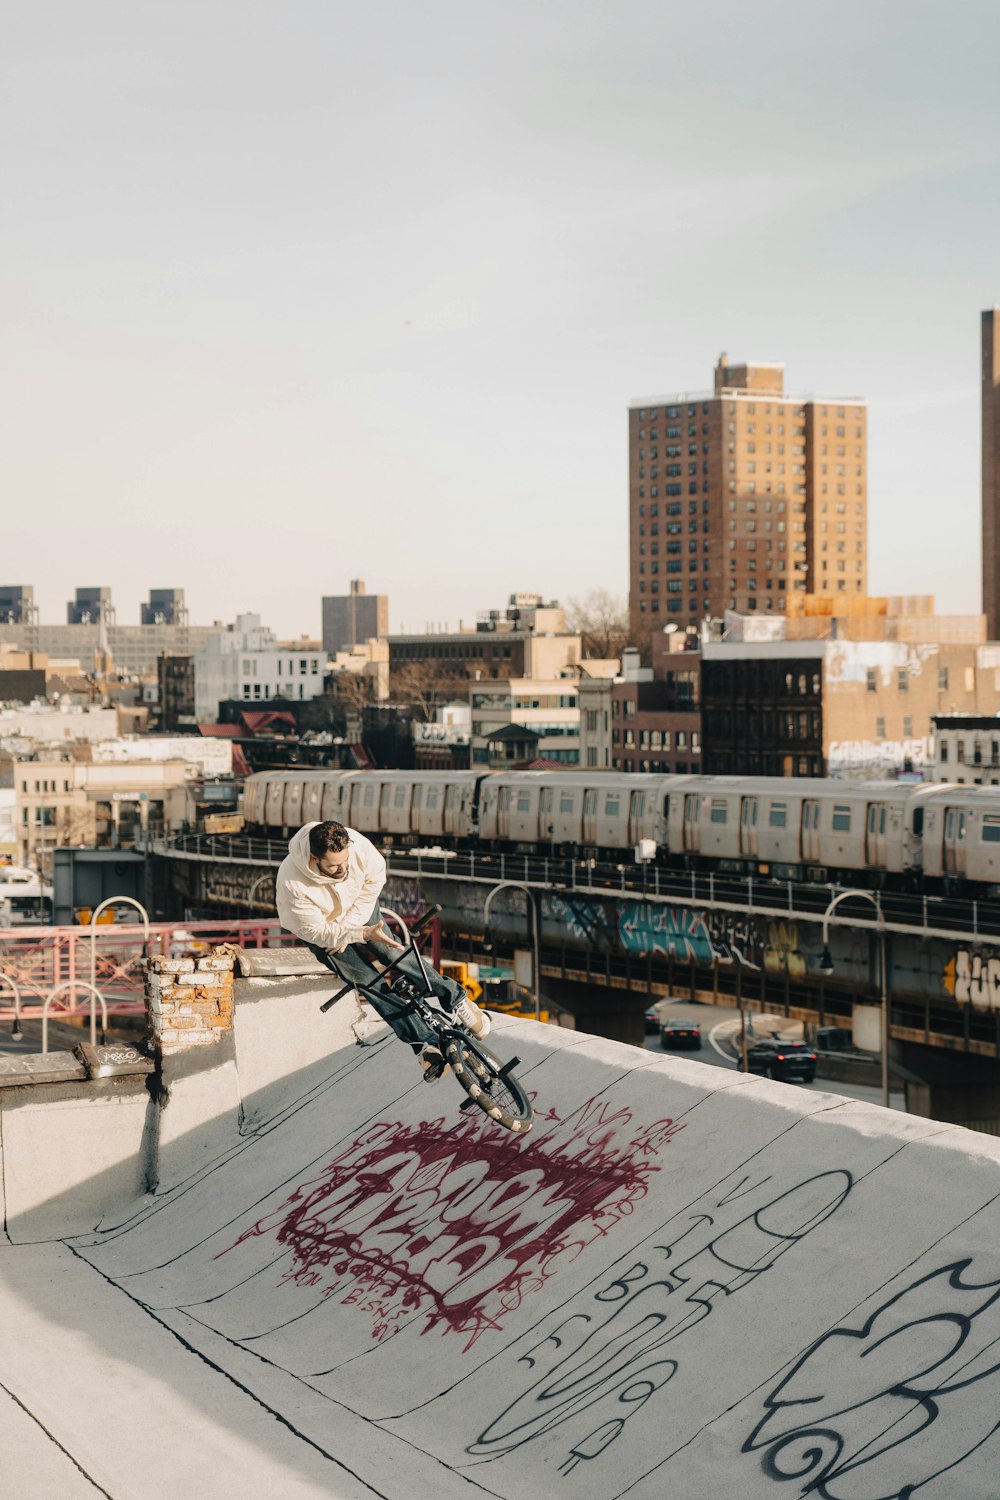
680 1033
789 1061
653 1020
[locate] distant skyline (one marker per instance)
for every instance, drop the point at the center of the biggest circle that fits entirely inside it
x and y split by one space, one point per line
303 293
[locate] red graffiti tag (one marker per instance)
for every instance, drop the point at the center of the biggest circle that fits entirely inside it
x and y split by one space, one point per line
458 1224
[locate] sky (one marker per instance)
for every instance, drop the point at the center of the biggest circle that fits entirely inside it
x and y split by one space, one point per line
300 292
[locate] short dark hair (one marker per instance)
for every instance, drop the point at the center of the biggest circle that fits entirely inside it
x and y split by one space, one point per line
328 836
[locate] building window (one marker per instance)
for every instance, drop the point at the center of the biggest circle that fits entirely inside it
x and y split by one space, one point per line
871 680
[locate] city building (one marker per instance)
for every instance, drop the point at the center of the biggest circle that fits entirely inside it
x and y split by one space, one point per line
966 749
165 607
17 604
351 619
63 802
990 335
847 695
742 497
175 683
132 648
646 718
246 662
547 710
89 606
527 639
442 744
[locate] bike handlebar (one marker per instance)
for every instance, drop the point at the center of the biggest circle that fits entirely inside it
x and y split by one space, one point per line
428 916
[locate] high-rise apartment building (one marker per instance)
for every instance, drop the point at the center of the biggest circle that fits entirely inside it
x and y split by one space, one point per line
351 619
991 470
741 496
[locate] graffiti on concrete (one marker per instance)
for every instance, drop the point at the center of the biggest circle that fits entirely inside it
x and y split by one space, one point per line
456 1225
608 1355
973 979
782 955
701 937
580 921
852 1419
647 927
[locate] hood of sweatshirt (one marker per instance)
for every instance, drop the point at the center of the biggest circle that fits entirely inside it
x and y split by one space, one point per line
298 849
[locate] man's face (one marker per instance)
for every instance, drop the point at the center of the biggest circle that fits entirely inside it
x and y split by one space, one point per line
333 864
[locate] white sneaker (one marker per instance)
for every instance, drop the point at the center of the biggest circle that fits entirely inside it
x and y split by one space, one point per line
474 1019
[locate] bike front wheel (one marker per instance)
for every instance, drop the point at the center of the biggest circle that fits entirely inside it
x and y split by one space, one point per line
490 1084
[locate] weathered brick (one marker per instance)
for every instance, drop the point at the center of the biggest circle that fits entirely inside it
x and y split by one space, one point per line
204 980
171 965
177 1023
215 965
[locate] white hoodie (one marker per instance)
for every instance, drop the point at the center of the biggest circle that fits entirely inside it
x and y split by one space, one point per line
329 913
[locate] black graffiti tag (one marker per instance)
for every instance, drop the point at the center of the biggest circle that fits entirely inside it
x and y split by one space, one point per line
601 1366
893 1408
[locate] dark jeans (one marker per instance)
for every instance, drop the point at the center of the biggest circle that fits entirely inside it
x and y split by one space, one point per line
353 966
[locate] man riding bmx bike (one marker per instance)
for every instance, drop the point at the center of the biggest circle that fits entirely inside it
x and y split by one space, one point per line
327 892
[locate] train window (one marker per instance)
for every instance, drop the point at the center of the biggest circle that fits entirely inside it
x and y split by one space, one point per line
918 821
399 797
565 802
368 800
960 830
432 798
417 793
523 801
778 816
841 819
718 810
991 829
612 805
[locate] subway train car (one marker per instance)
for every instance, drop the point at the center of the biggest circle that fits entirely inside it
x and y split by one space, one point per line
871 833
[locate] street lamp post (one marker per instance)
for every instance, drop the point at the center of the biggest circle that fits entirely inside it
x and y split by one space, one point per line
826 967
517 885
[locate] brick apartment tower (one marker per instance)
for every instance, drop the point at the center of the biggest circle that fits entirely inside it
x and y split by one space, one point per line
744 495
991 471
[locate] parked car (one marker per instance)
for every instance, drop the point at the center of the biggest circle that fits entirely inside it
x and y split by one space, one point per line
789 1061
653 1022
680 1033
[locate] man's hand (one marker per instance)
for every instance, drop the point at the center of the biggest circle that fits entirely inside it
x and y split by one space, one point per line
377 933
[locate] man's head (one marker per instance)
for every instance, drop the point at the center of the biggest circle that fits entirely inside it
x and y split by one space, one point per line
329 849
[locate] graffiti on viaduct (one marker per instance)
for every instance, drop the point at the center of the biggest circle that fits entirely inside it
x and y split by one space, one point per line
973 978
707 937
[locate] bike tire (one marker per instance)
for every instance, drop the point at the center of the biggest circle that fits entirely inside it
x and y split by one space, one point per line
491 1087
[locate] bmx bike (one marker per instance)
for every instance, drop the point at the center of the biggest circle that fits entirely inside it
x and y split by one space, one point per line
489 1084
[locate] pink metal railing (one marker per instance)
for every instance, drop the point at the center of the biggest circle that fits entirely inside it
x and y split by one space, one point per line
40 959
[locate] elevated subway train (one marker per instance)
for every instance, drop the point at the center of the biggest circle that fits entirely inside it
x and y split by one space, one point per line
873 833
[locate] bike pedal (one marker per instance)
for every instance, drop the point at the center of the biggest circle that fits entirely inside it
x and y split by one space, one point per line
515 1062
468 1104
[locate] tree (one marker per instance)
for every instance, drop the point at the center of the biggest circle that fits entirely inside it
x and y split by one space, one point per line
420 684
601 620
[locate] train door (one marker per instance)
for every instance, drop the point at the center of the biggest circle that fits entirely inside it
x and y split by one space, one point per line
810 831
748 827
546 827
636 816
692 829
590 817
503 813
954 841
453 801
875 840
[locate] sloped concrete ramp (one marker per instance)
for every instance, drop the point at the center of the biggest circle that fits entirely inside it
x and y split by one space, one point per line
683 1283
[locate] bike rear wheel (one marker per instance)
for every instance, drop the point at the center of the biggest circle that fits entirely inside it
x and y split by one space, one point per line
490 1084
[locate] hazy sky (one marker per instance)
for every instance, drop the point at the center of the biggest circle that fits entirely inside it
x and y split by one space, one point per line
304 291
